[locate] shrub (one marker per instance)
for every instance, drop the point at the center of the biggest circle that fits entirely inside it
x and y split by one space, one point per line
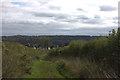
63 70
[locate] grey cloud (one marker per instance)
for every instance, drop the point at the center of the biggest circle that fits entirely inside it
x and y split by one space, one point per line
83 17
97 17
54 7
115 22
52 28
80 9
77 19
116 18
54 16
71 20
107 8
43 14
93 21
57 16
93 31
32 28
86 20
62 16
66 18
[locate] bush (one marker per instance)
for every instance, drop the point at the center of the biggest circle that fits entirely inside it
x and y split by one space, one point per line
63 70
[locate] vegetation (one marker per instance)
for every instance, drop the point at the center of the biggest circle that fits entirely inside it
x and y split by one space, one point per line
98 58
17 59
104 51
46 41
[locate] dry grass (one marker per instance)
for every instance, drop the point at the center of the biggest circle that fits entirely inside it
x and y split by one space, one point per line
84 68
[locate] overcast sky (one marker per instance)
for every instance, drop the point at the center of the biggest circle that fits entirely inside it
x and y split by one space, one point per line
59 17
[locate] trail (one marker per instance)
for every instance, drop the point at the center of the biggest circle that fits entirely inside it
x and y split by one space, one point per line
44 69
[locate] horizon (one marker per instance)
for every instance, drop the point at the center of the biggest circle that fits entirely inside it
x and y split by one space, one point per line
52 35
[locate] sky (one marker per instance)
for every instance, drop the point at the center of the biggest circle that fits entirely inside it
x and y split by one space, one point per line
58 17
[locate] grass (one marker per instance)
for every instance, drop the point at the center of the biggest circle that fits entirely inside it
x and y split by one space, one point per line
44 69
84 68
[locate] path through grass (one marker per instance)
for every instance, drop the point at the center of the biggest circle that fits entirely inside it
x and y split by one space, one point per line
44 69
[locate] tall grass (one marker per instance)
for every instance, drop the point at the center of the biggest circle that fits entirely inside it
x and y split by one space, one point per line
84 68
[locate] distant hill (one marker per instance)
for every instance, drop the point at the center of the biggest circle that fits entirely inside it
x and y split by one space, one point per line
57 40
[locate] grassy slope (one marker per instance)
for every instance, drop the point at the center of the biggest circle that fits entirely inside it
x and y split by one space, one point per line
39 67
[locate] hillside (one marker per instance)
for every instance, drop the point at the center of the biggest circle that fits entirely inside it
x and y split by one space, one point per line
25 62
17 59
